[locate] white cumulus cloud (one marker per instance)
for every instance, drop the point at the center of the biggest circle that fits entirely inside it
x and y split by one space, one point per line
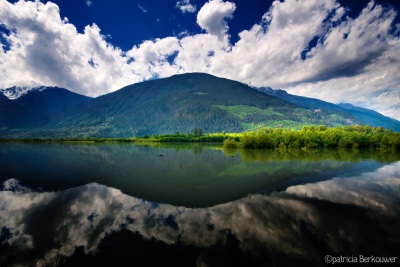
212 15
151 58
44 49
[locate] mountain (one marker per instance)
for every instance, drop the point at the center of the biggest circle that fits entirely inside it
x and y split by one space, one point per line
373 118
301 101
178 103
49 100
18 91
367 116
9 110
30 106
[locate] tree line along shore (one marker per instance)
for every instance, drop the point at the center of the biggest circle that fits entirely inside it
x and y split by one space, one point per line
309 137
317 137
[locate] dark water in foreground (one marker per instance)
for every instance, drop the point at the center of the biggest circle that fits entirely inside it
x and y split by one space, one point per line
195 205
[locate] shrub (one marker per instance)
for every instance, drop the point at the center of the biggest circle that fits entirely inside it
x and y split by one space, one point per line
230 143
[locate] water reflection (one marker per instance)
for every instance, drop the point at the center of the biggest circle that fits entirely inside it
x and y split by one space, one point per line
375 190
353 216
354 155
180 174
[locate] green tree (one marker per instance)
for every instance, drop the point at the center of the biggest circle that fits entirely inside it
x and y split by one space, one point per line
197 132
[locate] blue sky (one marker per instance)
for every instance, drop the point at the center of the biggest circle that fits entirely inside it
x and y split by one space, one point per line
335 50
132 22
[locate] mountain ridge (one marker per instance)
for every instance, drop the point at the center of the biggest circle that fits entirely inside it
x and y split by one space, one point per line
373 118
370 117
303 101
175 104
16 92
185 101
37 104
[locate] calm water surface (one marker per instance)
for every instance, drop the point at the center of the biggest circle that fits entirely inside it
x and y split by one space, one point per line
195 205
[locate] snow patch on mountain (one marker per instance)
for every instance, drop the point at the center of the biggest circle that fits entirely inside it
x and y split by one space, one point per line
18 91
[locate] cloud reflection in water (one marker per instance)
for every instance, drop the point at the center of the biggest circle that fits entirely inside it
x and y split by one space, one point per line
300 225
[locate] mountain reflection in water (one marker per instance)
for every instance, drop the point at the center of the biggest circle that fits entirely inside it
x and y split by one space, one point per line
186 175
98 225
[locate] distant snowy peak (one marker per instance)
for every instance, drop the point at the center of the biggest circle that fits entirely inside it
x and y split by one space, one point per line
17 91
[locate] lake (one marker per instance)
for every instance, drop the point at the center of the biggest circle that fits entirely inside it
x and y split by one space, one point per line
82 204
